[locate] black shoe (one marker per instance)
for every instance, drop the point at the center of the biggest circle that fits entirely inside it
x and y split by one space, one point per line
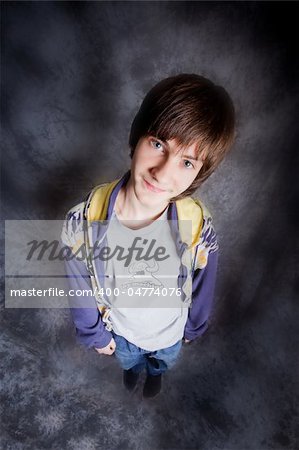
130 379
152 385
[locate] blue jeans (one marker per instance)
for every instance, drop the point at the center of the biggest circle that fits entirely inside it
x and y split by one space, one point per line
156 362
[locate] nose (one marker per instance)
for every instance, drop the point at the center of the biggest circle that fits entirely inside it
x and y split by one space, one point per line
162 172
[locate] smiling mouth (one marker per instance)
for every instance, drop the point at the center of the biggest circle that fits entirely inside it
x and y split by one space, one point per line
152 188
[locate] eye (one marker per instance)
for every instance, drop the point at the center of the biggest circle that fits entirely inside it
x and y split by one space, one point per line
156 144
188 164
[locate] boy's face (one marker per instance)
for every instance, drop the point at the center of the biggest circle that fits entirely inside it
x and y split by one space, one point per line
161 170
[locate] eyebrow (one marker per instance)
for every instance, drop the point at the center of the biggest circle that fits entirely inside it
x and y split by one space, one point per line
193 158
190 157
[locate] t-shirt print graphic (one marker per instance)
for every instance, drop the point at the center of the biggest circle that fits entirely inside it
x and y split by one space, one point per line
145 274
142 276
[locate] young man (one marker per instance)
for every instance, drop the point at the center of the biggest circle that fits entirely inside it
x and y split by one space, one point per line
148 250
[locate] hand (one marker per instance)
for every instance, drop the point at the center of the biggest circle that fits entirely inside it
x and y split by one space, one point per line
186 341
108 350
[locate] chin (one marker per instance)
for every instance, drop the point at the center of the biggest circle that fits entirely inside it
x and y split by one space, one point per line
151 199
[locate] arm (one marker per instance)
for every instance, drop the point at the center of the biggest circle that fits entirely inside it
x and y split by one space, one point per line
203 287
90 330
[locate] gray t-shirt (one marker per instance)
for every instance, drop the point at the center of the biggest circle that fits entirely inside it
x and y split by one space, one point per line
146 305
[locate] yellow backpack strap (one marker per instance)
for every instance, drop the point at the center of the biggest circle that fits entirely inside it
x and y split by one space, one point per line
98 201
95 208
190 210
203 240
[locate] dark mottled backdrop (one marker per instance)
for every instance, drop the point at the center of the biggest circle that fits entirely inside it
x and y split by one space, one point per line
73 76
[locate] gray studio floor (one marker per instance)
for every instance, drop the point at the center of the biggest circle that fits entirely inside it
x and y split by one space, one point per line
229 390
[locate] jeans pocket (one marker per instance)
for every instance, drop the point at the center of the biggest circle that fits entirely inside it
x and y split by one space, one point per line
121 344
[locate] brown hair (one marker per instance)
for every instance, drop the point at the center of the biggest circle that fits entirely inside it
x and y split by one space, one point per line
188 108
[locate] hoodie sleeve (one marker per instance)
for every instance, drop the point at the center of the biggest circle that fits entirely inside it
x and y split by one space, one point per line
90 329
204 280
203 287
